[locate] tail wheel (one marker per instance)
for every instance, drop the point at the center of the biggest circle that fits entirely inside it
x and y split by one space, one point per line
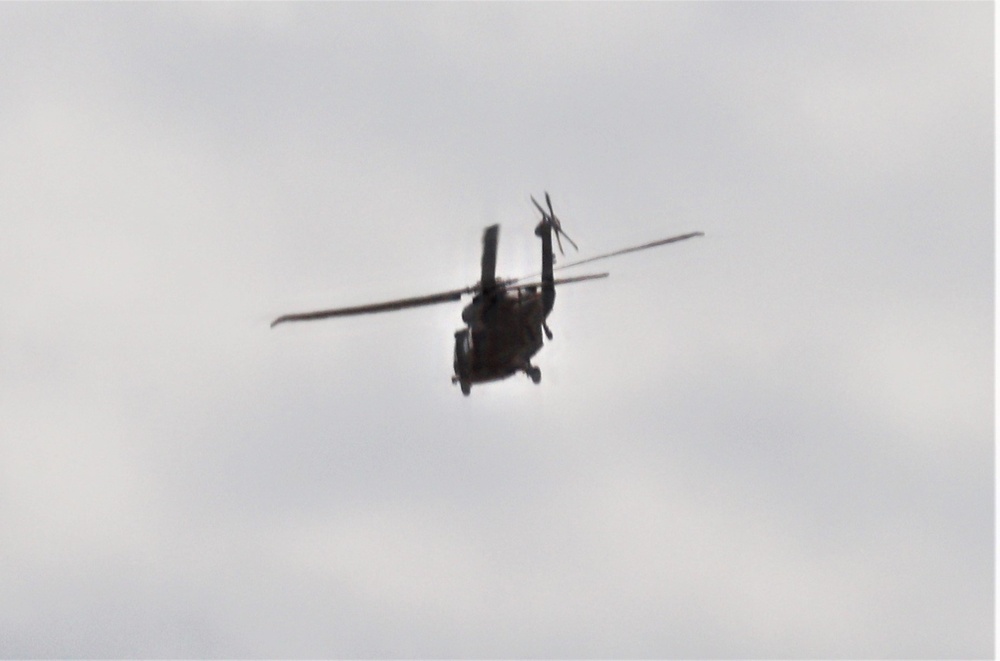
534 374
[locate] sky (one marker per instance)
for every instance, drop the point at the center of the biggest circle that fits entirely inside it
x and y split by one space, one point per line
773 441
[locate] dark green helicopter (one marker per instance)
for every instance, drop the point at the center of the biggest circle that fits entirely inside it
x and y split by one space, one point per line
506 318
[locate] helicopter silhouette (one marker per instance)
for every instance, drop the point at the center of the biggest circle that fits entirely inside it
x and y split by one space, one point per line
506 318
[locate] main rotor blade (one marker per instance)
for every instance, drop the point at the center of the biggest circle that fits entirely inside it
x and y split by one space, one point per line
623 251
488 278
563 281
418 301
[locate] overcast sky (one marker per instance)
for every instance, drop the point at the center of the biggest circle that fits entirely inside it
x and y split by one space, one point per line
773 441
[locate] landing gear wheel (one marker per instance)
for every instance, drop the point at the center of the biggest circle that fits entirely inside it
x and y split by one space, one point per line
534 374
466 388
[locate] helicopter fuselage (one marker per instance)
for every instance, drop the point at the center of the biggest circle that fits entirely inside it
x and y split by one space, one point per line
504 326
504 332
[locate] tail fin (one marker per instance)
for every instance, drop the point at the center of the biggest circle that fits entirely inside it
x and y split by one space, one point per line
544 232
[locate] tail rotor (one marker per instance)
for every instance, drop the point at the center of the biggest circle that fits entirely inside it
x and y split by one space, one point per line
550 217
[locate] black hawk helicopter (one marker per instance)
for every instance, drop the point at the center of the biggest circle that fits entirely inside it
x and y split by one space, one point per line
505 319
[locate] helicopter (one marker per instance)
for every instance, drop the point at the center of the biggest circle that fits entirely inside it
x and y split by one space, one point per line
506 318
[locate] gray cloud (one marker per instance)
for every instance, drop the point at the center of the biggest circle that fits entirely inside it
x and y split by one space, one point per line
773 441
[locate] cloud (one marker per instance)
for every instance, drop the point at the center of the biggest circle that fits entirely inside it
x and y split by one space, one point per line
774 440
